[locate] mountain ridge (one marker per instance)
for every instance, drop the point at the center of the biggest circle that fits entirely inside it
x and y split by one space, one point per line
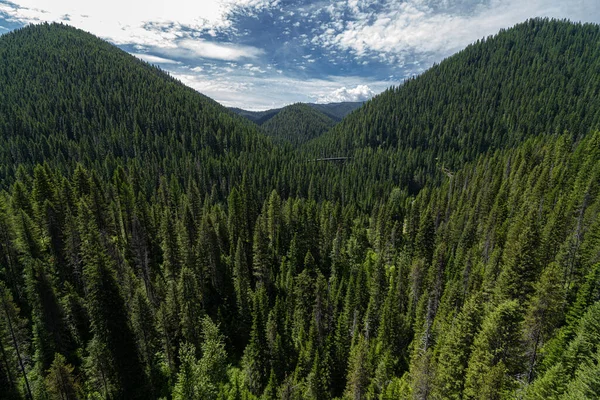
104 102
483 98
337 111
297 123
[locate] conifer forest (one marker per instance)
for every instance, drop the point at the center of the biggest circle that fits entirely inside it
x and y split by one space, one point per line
441 241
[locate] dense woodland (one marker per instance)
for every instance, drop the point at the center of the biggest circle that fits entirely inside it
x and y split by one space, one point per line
335 111
297 124
258 117
155 245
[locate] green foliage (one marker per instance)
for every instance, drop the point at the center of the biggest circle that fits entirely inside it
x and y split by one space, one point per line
297 124
494 360
60 380
537 77
202 379
152 244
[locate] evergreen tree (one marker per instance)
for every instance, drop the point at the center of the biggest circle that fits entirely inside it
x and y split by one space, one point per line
113 351
358 370
13 343
494 362
60 380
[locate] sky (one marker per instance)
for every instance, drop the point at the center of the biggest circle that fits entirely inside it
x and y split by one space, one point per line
261 54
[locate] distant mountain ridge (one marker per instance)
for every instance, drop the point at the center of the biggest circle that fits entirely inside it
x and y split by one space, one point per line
335 111
539 77
297 124
258 117
300 122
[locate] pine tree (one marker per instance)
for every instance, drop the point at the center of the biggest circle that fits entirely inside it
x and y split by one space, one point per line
241 277
543 314
190 304
42 191
495 358
50 333
143 326
114 352
168 324
13 344
358 370
60 380
10 270
170 247
254 361
455 349
261 264
212 367
236 219
520 259
186 387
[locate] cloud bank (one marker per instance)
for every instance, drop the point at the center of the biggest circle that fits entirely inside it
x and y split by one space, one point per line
267 92
155 59
146 22
216 51
395 30
359 93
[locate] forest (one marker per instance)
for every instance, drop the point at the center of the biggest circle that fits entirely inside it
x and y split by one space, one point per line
156 245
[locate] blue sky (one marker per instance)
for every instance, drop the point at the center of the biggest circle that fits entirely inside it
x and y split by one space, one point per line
260 54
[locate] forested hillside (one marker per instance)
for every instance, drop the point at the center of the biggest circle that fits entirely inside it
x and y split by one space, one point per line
300 122
68 97
335 111
538 77
258 117
154 245
297 124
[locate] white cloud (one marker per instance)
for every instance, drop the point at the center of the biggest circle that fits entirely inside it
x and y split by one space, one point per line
236 89
438 28
155 59
207 85
146 22
359 93
216 51
254 68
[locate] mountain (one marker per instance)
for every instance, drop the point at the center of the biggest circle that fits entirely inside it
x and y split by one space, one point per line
538 77
500 307
297 124
70 97
300 122
258 117
335 111
155 245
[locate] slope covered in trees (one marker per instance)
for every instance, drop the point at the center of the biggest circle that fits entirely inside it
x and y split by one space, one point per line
537 77
69 97
194 259
482 288
258 117
300 122
297 124
335 111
